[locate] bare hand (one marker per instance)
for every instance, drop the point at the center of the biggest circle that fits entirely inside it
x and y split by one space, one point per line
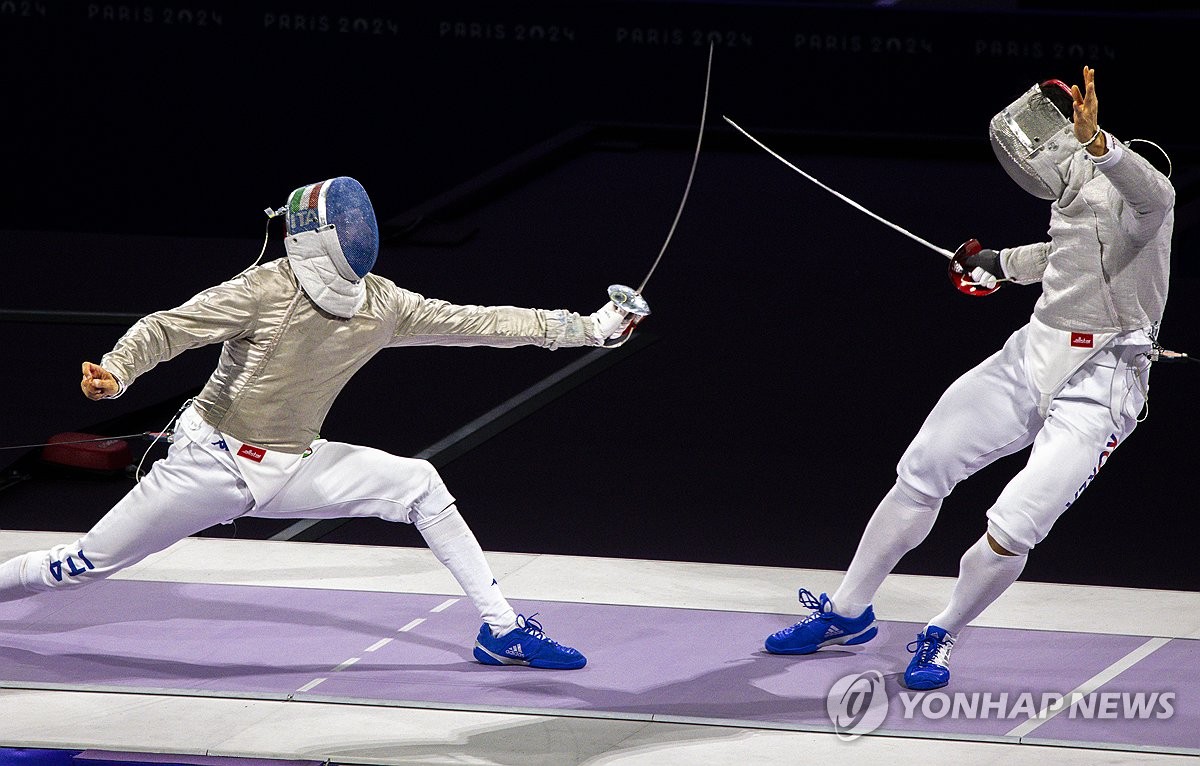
98 383
1086 113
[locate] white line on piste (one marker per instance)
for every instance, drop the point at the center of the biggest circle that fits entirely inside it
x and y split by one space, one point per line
342 666
346 664
411 625
1090 685
444 605
378 644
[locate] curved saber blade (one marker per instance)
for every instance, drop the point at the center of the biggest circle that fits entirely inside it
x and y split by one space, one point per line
843 197
691 174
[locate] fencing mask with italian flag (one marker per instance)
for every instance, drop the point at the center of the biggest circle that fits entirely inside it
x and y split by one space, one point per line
332 242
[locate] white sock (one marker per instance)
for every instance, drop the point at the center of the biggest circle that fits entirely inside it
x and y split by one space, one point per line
898 525
448 536
983 575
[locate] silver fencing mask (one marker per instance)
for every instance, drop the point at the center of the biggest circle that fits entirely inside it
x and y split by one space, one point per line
1034 140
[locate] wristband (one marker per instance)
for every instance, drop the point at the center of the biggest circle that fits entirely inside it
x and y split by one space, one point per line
1090 141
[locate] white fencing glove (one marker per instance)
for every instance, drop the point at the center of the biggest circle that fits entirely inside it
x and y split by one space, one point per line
985 268
606 325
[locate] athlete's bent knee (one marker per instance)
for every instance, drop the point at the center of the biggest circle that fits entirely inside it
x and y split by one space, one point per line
1006 543
423 520
997 547
425 496
915 498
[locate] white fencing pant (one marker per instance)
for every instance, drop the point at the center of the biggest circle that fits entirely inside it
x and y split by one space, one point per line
992 411
199 485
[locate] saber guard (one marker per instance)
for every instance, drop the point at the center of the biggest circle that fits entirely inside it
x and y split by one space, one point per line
961 277
630 300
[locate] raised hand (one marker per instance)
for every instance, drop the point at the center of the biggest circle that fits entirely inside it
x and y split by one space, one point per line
98 383
1087 121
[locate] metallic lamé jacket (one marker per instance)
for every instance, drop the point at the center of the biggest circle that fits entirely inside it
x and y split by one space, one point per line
284 361
1108 261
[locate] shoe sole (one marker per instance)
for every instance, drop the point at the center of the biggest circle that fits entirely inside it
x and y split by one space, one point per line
853 640
489 658
924 686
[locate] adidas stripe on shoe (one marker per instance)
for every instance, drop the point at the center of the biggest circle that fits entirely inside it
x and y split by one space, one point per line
526 644
824 627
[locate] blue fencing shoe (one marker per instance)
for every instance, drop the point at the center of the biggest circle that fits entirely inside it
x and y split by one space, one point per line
824 627
929 667
525 644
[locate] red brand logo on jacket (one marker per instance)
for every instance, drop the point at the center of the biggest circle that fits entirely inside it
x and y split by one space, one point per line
1081 340
254 453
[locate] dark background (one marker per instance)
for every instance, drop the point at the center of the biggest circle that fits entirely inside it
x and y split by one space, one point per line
533 154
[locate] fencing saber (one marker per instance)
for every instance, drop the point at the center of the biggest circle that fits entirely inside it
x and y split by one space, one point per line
627 298
958 273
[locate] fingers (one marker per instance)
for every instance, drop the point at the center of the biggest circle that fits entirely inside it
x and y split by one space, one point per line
1088 94
92 370
98 383
93 389
1085 106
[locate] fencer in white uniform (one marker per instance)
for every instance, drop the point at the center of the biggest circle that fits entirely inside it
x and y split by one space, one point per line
1070 385
293 331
